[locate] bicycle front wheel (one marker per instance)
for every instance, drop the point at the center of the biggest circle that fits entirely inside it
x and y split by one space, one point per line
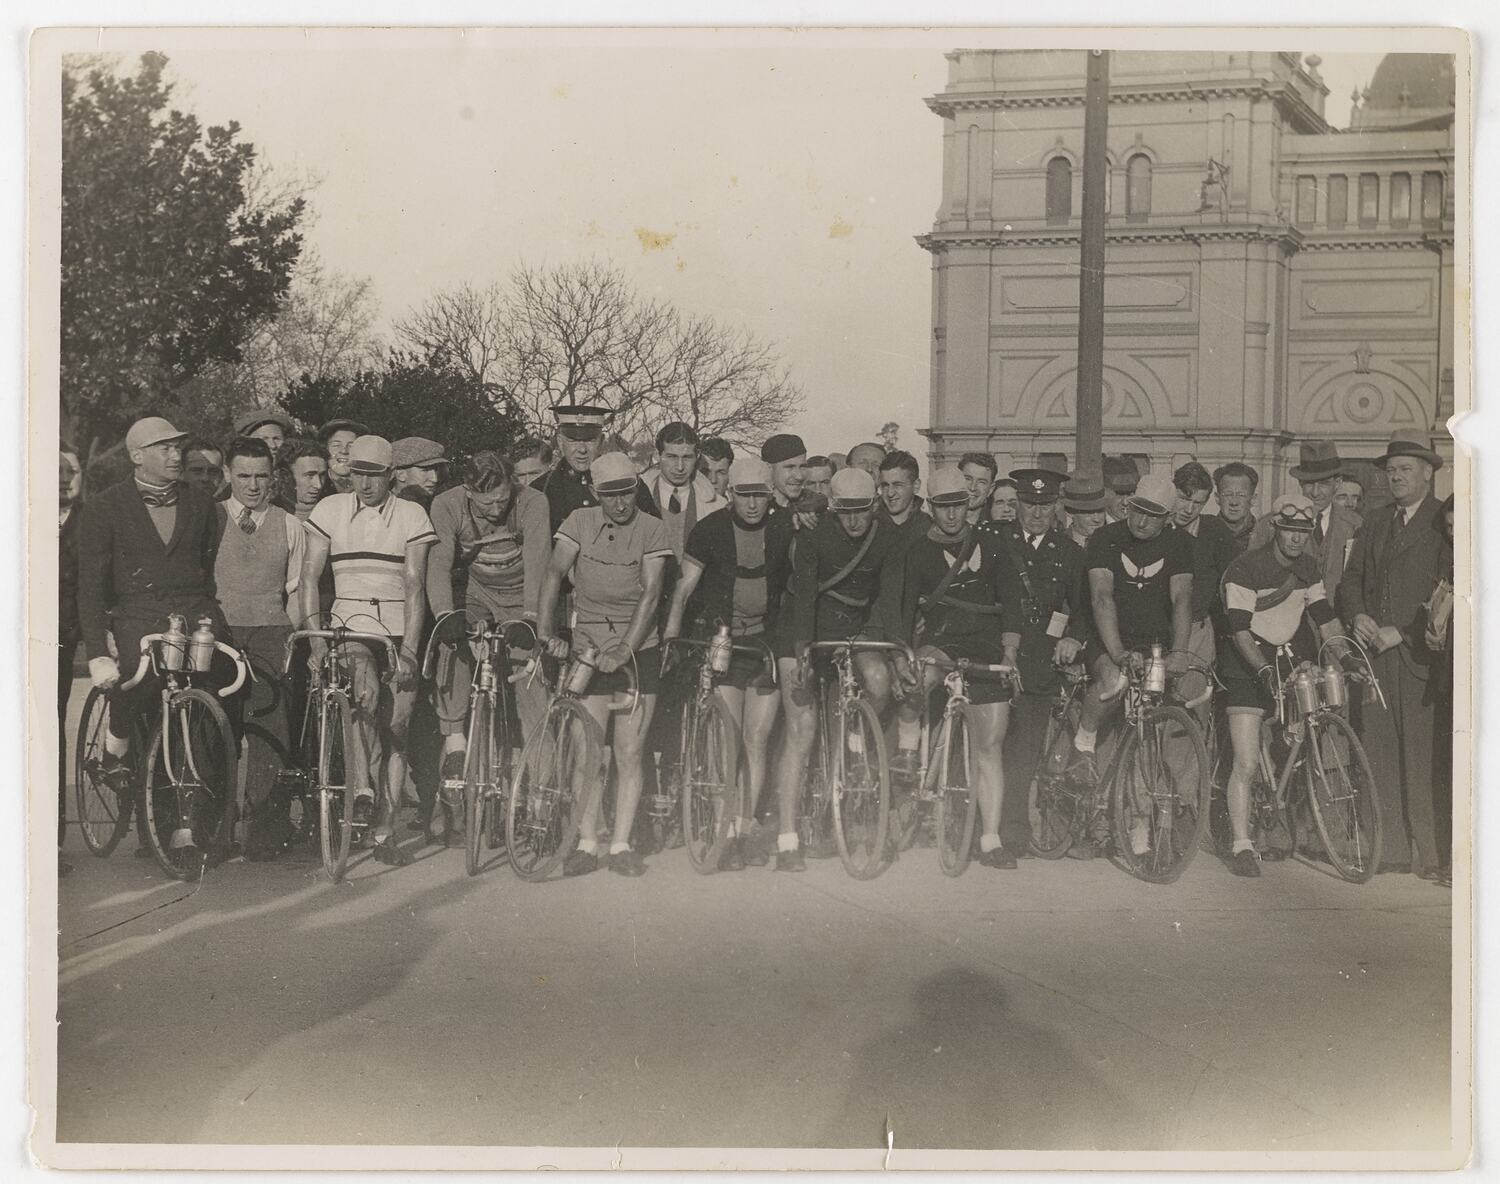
1158 795
190 784
957 804
861 791
710 783
479 788
1060 809
1342 792
103 815
560 773
335 793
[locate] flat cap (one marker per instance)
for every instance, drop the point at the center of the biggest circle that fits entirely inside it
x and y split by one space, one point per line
414 451
250 420
342 425
152 430
370 454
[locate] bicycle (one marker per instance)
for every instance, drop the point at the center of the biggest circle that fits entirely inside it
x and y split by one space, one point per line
1063 813
103 814
709 789
187 791
947 790
487 757
560 774
330 695
855 774
1324 760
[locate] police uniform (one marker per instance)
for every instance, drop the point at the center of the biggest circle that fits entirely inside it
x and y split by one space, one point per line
1054 605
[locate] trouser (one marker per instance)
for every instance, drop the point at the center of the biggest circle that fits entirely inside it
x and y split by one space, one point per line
263 707
1023 751
1398 739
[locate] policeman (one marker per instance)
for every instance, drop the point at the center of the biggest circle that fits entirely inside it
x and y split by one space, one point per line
567 485
1054 627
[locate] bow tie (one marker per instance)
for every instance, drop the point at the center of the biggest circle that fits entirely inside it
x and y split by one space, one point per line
158 495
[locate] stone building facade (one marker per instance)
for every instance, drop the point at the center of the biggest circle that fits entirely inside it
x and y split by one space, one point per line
1268 277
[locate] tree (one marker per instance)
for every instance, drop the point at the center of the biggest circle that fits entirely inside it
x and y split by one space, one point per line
410 395
166 267
579 333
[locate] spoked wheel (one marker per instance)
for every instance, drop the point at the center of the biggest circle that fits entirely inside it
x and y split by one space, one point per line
710 783
190 784
479 787
1218 835
103 815
335 793
957 804
1159 795
560 772
861 791
815 806
1272 829
1342 792
1060 809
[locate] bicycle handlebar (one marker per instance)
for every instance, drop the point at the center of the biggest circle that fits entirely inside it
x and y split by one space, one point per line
241 667
337 637
759 650
480 629
856 644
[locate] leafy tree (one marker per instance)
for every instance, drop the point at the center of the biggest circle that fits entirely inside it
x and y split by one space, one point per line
166 267
410 395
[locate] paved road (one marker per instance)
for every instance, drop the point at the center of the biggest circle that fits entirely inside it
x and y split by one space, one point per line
1057 1006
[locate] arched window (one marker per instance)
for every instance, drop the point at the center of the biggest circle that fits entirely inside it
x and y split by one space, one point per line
1138 187
1059 191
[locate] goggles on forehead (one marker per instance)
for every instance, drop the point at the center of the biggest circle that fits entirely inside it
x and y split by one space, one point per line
1294 519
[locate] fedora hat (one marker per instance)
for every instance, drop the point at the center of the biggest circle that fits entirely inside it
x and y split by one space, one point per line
1317 461
1408 442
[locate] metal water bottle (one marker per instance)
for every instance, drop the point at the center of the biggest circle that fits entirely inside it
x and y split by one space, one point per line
1335 692
720 651
174 642
202 646
585 661
1156 671
1306 686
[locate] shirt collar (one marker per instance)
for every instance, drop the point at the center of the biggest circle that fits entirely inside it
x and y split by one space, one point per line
234 507
383 510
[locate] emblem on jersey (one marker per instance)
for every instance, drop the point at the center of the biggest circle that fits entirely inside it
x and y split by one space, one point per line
1140 576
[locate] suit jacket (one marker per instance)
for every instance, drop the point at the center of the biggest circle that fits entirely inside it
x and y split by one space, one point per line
1392 571
126 572
67 578
1331 553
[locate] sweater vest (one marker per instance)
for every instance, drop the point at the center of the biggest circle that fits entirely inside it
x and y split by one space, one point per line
251 572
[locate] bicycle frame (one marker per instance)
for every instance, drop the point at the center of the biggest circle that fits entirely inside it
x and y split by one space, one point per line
848 688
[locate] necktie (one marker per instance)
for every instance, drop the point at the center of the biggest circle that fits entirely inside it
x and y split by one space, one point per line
1034 541
1318 531
674 503
247 523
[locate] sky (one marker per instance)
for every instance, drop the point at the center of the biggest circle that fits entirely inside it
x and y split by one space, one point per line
777 189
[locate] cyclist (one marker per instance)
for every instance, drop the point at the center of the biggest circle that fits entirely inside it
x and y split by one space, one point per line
491 552
953 592
616 555
1213 547
1141 591
1273 596
378 545
835 578
734 572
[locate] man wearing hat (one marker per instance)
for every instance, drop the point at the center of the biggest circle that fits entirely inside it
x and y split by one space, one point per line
734 571
1273 597
377 544
1334 527
1141 590
1120 479
568 485
338 435
955 593
1052 617
835 579
616 556
1397 559
146 548
1083 500
787 456
270 426
418 464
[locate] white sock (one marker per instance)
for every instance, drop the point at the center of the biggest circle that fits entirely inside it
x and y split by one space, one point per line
1083 740
618 848
115 745
988 842
588 846
908 733
364 793
1243 845
786 841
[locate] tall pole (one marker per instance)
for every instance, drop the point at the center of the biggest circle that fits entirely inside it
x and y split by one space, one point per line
1090 438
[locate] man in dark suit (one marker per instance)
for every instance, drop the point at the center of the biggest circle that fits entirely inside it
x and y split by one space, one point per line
70 493
146 549
1334 526
1398 557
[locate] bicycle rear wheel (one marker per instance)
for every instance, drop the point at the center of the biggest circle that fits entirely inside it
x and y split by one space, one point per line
957 804
560 772
479 767
1158 795
103 815
710 783
335 793
1341 789
190 784
1059 811
861 796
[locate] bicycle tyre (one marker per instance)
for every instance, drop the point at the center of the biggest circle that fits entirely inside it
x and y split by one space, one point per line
103 815
861 797
335 794
710 784
199 795
1181 803
478 772
554 786
1341 789
814 803
1059 810
957 804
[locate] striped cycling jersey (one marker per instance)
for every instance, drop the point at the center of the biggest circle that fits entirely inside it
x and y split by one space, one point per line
367 550
1269 598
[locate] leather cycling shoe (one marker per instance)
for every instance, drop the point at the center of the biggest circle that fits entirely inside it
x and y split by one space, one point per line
581 863
364 810
999 858
1083 851
114 773
791 861
733 857
388 853
627 863
1245 863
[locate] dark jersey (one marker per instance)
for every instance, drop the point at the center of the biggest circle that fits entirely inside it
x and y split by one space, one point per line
979 612
825 609
1143 571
